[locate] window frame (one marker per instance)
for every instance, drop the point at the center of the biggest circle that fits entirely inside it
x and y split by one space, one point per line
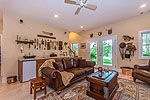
141 45
72 46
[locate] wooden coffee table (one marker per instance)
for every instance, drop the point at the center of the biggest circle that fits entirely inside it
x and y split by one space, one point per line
103 85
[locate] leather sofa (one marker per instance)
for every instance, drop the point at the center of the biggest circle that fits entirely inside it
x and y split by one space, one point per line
53 76
141 72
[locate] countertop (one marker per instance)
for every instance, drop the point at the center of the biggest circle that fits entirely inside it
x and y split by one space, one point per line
38 58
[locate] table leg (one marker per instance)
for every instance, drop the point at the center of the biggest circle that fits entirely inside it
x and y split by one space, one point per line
45 89
34 92
30 87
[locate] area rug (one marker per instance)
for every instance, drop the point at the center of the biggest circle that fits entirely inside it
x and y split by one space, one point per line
128 90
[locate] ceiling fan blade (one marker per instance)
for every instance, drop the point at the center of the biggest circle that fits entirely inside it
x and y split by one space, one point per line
85 1
71 2
90 6
77 11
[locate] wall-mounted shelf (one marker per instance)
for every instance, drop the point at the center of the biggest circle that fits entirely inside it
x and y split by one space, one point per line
46 36
24 42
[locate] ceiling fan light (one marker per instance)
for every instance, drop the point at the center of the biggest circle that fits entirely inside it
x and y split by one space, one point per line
56 16
143 6
81 26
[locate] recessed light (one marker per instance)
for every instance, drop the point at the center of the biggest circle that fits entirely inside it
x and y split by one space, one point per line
143 6
56 16
81 26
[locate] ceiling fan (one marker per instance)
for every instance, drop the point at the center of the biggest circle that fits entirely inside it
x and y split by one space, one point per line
81 3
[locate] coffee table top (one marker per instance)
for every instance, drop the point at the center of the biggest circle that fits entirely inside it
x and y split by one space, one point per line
103 79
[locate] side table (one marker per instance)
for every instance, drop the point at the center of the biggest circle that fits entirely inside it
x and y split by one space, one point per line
37 84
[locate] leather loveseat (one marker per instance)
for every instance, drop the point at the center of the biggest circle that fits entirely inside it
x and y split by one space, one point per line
78 66
141 72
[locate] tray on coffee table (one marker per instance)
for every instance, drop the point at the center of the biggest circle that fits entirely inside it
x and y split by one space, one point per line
102 75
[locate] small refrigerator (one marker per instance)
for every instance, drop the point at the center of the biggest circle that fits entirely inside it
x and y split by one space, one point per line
28 70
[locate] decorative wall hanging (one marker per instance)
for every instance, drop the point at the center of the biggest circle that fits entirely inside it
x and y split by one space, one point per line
99 33
66 45
127 38
91 35
44 36
83 45
48 45
122 46
47 33
109 30
60 45
127 50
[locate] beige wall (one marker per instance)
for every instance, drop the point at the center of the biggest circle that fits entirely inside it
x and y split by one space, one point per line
29 29
127 27
74 37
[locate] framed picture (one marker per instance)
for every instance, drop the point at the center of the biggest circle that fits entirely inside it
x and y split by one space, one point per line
83 45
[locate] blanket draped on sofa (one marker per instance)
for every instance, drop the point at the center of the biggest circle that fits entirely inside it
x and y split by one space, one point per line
66 76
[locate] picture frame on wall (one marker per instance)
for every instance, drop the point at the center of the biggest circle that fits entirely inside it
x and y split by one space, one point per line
82 45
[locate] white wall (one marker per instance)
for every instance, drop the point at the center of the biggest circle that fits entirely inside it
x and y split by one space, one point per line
29 29
127 27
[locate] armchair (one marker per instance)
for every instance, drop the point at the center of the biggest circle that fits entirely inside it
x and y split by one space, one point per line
141 72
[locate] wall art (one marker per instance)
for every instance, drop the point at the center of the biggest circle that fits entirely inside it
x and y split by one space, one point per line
99 33
91 35
83 45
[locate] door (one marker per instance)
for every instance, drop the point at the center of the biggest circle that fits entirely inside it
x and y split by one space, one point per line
103 51
108 51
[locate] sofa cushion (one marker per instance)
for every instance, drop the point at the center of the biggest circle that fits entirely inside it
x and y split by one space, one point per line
79 71
68 63
82 63
58 66
142 73
90 63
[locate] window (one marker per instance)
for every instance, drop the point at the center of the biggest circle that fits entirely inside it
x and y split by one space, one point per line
74 47
144 44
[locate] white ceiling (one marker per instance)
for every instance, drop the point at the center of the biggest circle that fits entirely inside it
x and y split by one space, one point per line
108 11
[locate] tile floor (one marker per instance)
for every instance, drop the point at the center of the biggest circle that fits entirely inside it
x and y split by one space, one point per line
21 91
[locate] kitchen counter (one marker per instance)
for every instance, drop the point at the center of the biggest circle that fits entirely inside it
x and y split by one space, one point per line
38 58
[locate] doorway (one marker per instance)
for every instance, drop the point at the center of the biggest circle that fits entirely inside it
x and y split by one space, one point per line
103 51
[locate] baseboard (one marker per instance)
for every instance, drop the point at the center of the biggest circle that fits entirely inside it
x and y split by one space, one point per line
4 79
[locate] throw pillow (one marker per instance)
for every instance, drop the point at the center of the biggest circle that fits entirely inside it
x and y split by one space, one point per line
75 62
64 64
82 63
58 66
68 63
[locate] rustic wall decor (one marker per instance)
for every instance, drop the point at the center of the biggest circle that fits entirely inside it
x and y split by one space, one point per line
127 38
99 33
109 30
91 35
47 33
60 45
82 45
127 50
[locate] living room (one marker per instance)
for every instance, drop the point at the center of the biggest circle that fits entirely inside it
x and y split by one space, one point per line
70 48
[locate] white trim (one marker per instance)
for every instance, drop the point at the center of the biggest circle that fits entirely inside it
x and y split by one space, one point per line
4 79
140 45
